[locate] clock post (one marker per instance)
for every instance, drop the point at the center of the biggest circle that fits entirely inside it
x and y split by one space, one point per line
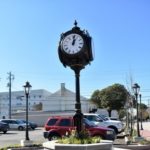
78 117
75 51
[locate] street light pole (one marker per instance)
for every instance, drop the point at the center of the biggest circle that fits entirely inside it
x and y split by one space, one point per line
136 89
141 112
27 90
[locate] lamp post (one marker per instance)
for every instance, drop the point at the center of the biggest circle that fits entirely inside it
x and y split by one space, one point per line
27 88
136 89
141 112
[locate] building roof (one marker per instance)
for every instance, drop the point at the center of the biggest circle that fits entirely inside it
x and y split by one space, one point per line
21 93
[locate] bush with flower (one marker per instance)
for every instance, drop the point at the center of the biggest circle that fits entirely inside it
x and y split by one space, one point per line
82 138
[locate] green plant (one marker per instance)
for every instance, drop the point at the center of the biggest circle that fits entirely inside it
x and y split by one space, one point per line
18 146
145 142
13 146
82 138
134 132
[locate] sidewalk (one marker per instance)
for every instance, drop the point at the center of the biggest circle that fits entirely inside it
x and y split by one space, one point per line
145 134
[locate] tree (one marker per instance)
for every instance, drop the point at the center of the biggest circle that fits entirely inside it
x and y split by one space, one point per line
95 98
112 97
143 106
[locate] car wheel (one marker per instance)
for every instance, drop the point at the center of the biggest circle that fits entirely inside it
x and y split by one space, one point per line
20 128
53 137
115 129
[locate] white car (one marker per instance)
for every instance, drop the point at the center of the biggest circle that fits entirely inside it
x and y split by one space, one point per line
15 124
98 120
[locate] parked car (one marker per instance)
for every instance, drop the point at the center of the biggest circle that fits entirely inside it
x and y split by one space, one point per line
4 127
111 118
108 118
57 127
33 125
14 124
100 121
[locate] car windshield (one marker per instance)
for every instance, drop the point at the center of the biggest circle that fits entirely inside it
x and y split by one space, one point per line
19 121
89 123
103 117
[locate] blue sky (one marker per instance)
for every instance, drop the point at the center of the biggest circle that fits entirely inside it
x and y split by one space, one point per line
30 32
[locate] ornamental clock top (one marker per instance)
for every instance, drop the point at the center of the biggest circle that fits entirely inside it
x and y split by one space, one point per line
75 47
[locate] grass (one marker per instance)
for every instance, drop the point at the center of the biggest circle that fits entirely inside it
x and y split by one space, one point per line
18 146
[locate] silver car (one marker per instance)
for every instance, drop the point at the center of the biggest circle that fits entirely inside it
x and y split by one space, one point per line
15 124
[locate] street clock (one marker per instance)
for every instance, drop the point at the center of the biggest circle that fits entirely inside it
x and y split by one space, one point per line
75 47
75 51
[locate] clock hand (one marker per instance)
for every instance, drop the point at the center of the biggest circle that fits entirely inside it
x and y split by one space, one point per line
73 42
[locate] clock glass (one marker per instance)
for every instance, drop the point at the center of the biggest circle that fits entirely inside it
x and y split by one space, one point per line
72 43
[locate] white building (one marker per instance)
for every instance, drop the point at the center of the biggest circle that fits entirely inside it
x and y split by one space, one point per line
61 100
64 100
18 101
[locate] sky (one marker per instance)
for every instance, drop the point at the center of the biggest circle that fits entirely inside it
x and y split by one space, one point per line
30 32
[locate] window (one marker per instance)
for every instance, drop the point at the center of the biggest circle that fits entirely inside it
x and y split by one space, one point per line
13 122
94 118
91 118
65 122
52 122
6 121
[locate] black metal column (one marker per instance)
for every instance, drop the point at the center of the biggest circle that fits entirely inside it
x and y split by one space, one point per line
137 115
78 117
27 133
141 118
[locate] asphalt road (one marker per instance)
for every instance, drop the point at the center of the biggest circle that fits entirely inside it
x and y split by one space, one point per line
14 137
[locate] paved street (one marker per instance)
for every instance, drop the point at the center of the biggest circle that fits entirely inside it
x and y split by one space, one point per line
14 137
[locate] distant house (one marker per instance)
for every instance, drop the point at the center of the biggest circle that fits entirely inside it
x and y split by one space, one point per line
64 100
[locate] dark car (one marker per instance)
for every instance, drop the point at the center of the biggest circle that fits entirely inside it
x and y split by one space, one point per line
58 126
32 125
4 127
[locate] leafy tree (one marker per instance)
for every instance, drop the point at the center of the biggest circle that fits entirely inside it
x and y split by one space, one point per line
143 106
95 98
112 97
122 113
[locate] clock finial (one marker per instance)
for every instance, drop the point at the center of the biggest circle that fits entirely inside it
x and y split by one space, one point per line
75 23
75 26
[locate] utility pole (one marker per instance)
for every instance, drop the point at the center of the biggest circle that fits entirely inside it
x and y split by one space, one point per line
10 78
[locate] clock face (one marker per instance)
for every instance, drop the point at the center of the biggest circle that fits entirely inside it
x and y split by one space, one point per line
72 43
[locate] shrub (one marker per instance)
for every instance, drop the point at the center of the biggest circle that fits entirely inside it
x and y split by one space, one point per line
82 138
